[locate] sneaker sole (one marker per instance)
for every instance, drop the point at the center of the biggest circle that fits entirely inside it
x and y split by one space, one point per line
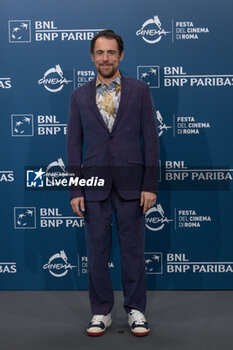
96 334
143 334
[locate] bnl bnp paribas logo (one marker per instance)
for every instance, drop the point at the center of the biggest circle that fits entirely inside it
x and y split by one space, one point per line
176 76
19 31
25 218
26 31
150 75
22 125
45 125
53 79
153 263
5 83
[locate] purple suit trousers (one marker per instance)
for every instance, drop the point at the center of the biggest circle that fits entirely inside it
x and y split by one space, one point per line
131 233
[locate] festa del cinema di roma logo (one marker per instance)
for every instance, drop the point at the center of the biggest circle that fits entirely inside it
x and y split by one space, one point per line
53 79
58 265
156 219
152 31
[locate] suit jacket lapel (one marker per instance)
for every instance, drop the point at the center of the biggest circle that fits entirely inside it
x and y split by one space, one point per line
123 101
93 105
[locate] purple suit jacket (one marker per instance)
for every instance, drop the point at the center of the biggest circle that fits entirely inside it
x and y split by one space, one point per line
128 156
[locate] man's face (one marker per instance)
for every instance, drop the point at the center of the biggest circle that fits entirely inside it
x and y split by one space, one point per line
106 57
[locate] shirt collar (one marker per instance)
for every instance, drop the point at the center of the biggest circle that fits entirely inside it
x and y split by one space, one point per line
117 81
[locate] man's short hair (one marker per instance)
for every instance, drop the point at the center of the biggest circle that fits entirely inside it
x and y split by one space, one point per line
108 34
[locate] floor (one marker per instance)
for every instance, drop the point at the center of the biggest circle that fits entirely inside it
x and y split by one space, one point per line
56 320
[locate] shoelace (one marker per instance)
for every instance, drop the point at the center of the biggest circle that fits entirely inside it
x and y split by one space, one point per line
139 317
97 319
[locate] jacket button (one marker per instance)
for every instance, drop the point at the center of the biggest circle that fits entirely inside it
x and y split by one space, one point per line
111 137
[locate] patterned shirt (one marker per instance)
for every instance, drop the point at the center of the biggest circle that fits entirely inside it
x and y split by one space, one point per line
108 99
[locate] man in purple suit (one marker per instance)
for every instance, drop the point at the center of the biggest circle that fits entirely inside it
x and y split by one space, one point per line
112 134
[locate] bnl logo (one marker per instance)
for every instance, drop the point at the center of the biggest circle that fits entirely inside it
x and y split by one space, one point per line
35 178
22 125
24 217
150 75
19 31
153 263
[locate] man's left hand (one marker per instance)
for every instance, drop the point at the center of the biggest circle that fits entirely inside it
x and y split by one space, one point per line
148 199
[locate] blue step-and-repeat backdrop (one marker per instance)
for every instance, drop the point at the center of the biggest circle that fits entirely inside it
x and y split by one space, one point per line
184 51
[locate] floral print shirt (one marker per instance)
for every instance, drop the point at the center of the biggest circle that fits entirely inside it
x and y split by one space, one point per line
108 99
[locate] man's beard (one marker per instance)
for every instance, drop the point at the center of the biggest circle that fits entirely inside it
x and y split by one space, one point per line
107 73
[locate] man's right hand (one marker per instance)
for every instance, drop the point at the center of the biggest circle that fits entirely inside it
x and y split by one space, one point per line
77 205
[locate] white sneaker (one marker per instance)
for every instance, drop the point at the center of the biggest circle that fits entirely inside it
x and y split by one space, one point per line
137 323
98 324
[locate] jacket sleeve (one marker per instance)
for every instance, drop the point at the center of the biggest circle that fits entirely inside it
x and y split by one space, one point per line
150 142
74 145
